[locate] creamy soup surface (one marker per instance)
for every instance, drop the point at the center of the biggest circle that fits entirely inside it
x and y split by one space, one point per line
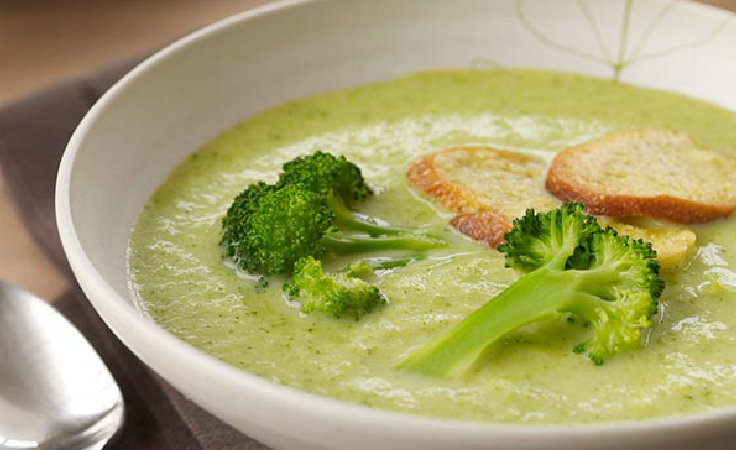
688 362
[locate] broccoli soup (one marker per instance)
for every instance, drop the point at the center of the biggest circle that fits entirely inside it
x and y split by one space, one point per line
531 375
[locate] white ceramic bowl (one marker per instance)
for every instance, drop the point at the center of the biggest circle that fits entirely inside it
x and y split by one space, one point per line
203 84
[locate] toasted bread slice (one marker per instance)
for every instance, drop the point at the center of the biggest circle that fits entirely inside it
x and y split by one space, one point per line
658 173
485 226
475 179
672 242
489 188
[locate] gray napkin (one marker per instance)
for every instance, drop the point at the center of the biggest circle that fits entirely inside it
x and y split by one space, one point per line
33 135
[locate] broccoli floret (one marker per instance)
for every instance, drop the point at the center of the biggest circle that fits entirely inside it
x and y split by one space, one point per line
572 266
343 184
336 294
325 173
235 222
269 227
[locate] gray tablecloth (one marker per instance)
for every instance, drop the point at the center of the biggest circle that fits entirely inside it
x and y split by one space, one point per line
33 135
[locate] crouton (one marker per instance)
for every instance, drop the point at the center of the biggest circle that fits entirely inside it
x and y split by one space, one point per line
672 242
488 188
475 179
485 226
658 173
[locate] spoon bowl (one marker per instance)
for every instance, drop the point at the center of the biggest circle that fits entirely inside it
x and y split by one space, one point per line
55 391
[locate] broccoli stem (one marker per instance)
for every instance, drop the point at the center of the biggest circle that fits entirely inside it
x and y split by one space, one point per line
368 265
535 296
341 244
373 226
393 263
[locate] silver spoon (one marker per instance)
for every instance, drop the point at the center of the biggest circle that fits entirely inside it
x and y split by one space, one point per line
55 392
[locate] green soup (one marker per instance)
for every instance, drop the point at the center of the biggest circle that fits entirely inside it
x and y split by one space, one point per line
177 274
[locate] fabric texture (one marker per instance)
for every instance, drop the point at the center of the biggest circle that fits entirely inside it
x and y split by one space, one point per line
33 136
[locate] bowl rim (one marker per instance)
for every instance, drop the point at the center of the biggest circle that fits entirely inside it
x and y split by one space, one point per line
391 422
